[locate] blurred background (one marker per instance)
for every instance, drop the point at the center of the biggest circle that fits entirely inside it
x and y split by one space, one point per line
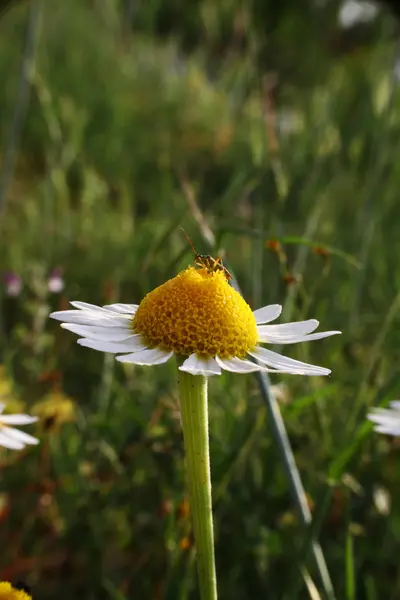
270 132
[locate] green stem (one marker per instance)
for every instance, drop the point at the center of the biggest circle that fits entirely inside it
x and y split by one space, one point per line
194 417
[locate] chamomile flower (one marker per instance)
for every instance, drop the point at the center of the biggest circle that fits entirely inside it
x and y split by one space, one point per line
13 438
386 420
198 316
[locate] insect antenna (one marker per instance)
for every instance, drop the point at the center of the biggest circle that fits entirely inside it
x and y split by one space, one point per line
191 243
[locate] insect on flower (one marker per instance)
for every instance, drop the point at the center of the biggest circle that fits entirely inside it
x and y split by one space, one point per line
198 316
207 262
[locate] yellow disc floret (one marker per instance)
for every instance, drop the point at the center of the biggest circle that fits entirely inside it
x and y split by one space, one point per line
197 312
7 592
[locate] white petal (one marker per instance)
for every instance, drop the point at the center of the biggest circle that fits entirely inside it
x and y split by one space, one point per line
288 365
386 420
82 317
150 356
133 344
267 313
10 443
88 307
17 419
388 429
271 339
237 365
104 334
289 329
19 436
125 309
195 365
320 335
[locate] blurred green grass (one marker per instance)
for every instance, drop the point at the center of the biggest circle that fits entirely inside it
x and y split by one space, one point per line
134 129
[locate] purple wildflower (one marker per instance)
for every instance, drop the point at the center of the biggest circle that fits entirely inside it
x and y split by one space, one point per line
12 283
55 282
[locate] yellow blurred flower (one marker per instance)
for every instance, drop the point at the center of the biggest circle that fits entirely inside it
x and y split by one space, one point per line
7 592
55 409
223 137
7 395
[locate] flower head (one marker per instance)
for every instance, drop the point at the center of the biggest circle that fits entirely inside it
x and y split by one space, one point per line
13 284
55 409
8 592
386 420
13 438
55 282
198 313
354 12
198 316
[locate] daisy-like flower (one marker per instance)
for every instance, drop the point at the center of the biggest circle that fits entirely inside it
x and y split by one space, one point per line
386 420
8 592
199 317
13 438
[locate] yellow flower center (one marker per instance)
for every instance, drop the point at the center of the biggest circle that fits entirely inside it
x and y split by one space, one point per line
197 312
7 592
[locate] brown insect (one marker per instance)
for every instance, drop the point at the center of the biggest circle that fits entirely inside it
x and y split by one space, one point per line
205 261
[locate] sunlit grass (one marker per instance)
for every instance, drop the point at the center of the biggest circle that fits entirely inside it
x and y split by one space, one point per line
125 140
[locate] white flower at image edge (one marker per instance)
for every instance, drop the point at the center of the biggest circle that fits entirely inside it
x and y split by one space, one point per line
386 420
196 315
13 438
